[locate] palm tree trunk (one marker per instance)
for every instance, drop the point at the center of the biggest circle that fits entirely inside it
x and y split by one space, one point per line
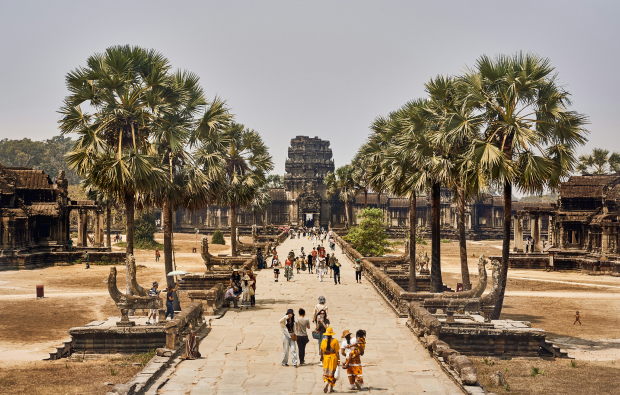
413 284
233 229
503 269
346 211
108 224
462 242
130 200
168 229
436 280
365 198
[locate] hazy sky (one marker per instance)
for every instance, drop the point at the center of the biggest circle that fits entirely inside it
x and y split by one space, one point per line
317 68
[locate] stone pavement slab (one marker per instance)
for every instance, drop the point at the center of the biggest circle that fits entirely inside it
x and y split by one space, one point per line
243 352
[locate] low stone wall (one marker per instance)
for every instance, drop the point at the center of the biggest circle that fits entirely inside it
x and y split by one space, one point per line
42 259
564 260
116 339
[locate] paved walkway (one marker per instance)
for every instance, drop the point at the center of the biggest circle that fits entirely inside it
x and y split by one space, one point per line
242 354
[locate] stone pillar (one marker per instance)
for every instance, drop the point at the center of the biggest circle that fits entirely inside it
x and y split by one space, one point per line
518 226
536 233
219 218
605 243
101 228
97 228
550 230
80 228
561 237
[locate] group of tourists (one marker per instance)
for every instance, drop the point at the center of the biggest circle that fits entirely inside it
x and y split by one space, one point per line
154 293
241 287
351 348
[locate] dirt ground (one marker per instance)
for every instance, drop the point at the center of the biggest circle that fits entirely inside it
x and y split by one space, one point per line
549 301
559 376
62 377
75 296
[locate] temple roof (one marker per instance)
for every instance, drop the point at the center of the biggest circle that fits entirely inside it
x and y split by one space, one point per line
31 179
589 186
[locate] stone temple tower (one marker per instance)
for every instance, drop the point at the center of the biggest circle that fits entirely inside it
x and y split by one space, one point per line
309 160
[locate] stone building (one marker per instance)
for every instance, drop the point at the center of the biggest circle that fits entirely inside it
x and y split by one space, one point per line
35 215
304 202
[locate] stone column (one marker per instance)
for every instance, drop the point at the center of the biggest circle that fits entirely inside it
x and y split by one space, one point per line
536 233
97 228
605 243
550 230
219 218
80 228
518 226
561 237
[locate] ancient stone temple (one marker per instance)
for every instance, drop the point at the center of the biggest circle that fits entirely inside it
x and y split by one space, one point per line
35 218
309 160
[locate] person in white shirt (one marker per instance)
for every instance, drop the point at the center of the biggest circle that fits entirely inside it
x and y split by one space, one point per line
287 324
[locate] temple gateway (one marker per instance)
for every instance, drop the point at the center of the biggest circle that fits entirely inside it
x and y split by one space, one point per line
304 202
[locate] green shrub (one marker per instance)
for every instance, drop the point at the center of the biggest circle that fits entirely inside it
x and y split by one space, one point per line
369 238
445 241
218 238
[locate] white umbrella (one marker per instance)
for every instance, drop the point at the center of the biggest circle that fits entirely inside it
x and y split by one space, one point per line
177 273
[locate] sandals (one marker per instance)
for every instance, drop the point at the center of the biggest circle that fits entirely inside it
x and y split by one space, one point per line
326 387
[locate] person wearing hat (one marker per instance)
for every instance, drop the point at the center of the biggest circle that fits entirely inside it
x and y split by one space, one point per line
235 281
353 364
153 293
331 359
247 292
358 271
287 324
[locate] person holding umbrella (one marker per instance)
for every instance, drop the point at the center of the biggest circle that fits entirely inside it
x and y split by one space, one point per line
169 300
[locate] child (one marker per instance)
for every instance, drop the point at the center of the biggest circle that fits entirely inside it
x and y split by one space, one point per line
153 293
577 319
275 263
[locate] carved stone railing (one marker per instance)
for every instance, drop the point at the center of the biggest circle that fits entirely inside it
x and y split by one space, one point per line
129 302
133 283
224 263
212 299
188 319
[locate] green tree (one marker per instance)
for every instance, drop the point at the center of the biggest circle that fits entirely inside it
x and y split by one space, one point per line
369 237
127 90
525 134
218 238
341 182
145 228
239 159
599 162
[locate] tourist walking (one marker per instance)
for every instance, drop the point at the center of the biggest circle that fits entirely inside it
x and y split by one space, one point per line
331 359
310 263
322 305
358 271
320 269
169 301
287 324
336 268
288 268
235 281
301 325
247 292
156 255
230 296
275 263
153 293
259 259
253 293
298 264
353 364
86 258
322 323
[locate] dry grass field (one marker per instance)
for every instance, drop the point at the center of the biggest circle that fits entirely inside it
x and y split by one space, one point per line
75 296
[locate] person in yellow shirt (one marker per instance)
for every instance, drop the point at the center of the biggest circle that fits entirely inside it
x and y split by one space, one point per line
331 359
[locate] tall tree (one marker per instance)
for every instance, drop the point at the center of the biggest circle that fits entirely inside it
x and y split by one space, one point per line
240 159
599 162
126 88
527 133
341 182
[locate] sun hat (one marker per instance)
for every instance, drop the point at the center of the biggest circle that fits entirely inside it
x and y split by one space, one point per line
246 277
329 332
155 284
345 333
290 311
235 269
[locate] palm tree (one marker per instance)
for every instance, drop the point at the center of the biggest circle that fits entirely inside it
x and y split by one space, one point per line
240 160
527 134
260 203
341 182
361 174
599 162
126 89
275 181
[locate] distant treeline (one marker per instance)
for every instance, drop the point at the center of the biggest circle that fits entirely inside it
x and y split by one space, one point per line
47 155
